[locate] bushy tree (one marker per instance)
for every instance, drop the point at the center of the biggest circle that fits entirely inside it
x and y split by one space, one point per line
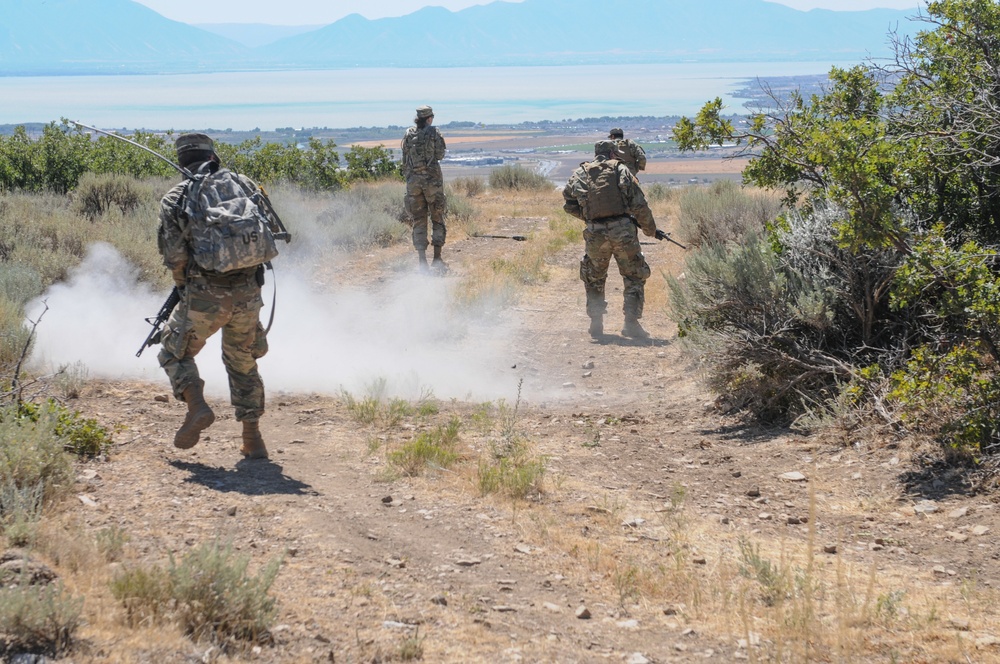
910 157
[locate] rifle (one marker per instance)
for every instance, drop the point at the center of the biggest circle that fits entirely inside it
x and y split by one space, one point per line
160 319
518 238
660 235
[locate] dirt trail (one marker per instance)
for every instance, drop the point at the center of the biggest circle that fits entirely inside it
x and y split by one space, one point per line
626 429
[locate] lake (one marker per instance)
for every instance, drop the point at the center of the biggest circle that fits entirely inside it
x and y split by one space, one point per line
381 97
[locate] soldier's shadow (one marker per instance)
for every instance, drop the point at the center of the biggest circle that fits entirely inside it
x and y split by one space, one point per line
618 340
251 478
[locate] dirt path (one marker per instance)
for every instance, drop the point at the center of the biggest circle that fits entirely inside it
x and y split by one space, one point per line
649 491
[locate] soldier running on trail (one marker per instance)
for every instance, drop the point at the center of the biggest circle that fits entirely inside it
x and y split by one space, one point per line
629 152
606 195
219 280
423 149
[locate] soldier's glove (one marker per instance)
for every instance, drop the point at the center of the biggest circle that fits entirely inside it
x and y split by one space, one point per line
179 276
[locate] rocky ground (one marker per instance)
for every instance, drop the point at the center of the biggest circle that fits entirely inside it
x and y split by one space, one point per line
667 531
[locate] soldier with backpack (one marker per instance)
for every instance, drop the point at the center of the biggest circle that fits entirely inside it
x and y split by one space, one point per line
423 149
215 240
631 153
606 195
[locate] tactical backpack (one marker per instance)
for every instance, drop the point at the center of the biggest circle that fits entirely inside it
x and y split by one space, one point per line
228 230
604 198
418 146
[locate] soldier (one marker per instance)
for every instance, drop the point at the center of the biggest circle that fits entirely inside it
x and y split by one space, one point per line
210 301
631 153
606 195
423 147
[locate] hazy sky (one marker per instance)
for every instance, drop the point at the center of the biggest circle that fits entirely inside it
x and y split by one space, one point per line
319 12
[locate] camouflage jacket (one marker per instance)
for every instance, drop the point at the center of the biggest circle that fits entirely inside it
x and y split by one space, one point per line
173 238
422 150
632 154
575 194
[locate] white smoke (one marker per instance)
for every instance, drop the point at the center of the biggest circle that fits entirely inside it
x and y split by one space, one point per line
405 336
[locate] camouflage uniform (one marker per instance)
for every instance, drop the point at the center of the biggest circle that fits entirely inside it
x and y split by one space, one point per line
629 152
611 235
423 148
228 301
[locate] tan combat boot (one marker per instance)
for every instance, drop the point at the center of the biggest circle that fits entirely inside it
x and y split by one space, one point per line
253 443
437 262
199 417
633 330
596 327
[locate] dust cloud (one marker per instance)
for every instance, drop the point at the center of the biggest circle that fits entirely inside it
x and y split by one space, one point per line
404 340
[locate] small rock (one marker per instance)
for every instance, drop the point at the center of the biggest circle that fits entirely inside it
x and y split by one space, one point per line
670 611
583 613
440 600
979 531
468 562
87 500
764 516
629 624
396 563
162 398
587 374
925 507
987 641
588 365
957 536
502 608
737 473
298 441
875 546
753 492
959 513
554 608
699 560
794 476
959 624
522 548
231 511
569 384
939 570
633 523
387 500
793 521
830 548
637 658
680 647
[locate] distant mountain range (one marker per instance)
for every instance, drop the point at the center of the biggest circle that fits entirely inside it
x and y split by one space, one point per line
121 36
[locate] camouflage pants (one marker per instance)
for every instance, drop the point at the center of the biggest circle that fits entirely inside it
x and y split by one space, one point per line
425 196
204 309
604 239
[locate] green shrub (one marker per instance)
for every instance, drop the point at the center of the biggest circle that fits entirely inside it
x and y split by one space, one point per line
217 598
724 212
19 283
80 435
144 593
657 192
515 178
435 449
209 593
20 511
96 195
40 619
470 186
33 453
362 216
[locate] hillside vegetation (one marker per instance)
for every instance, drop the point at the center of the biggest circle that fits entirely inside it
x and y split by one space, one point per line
874 296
